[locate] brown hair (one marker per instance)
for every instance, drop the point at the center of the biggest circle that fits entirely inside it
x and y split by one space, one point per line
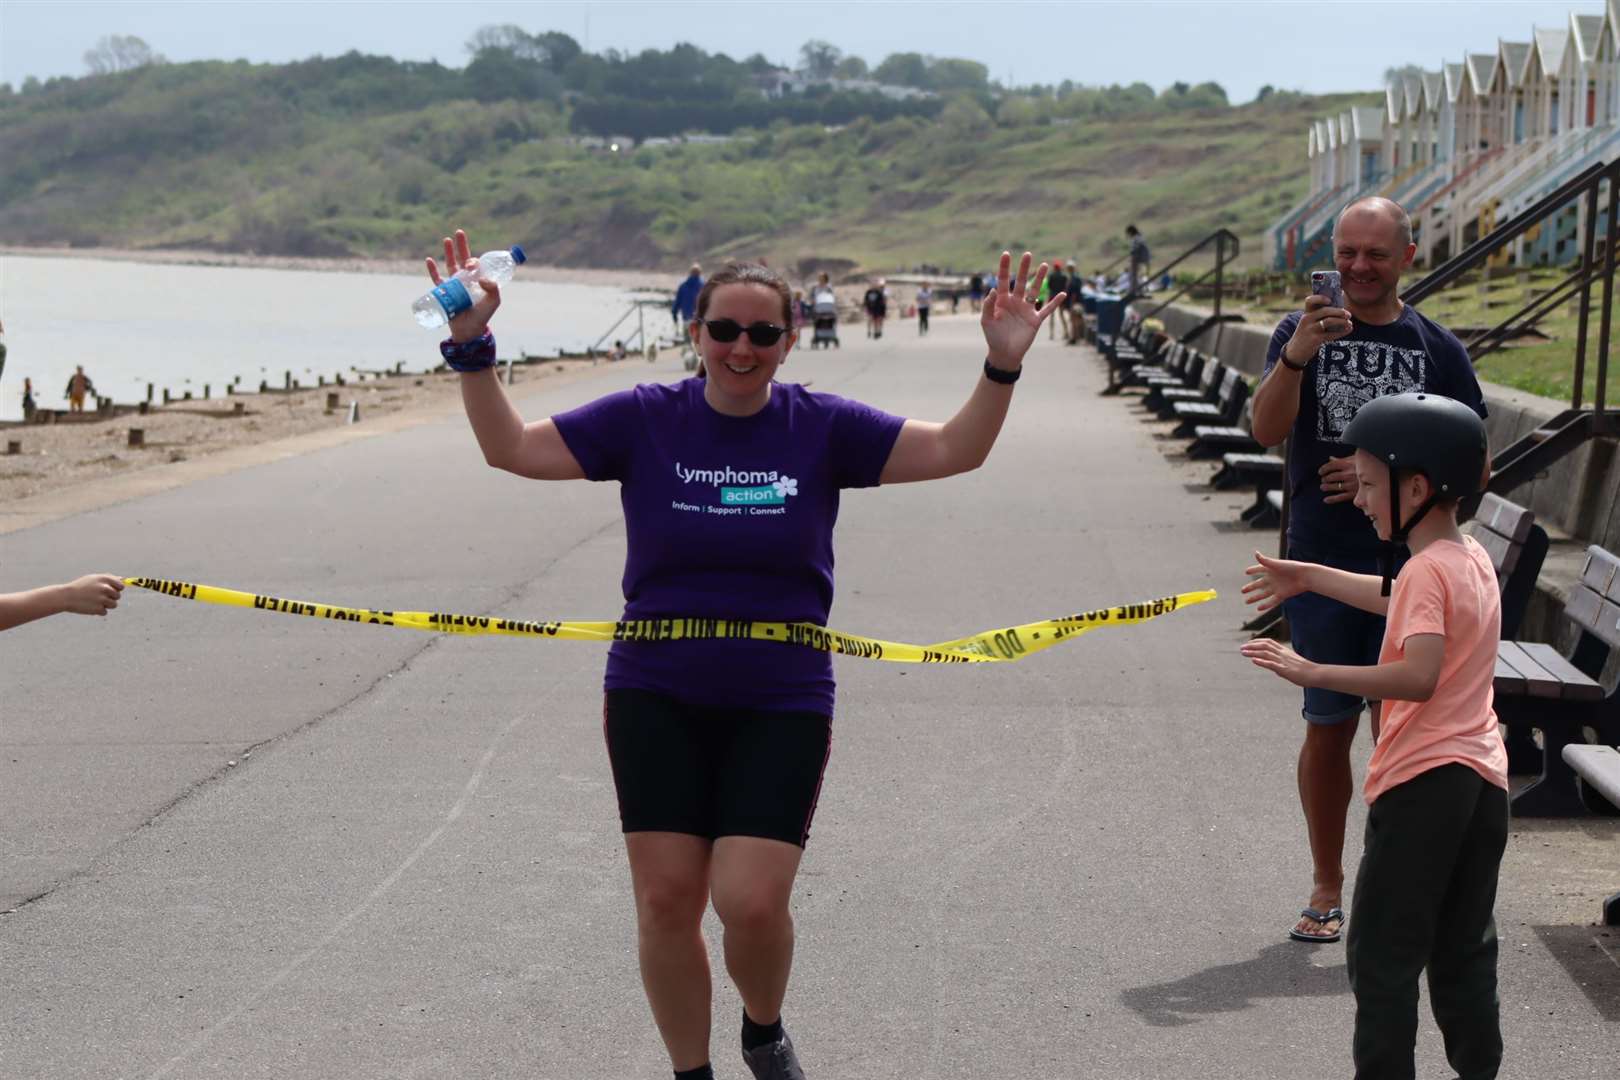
747 274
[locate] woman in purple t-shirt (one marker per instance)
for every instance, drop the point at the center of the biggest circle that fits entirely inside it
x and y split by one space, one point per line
730 484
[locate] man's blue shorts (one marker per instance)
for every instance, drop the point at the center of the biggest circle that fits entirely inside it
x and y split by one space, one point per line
1328 632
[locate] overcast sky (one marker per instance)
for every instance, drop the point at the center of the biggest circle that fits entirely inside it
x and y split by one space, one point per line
1310 45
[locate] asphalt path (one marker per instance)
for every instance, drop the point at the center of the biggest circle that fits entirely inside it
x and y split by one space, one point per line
245 844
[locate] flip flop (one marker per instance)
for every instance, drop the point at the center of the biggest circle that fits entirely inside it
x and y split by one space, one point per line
1323 917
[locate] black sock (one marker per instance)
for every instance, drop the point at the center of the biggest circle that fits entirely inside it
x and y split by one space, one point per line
702 1072
756 1035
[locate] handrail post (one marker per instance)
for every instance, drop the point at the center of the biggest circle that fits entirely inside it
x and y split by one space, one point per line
1220 263
1588 240
1608 296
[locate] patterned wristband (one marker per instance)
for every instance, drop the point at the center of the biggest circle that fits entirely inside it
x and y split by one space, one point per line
474 355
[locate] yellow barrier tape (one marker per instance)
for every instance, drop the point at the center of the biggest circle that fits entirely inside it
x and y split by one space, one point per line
1006 644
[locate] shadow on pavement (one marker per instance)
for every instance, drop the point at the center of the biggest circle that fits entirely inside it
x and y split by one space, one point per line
1591 956
1285 969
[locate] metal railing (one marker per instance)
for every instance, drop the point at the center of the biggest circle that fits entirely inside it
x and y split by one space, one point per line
1226 249
1517 463
638 339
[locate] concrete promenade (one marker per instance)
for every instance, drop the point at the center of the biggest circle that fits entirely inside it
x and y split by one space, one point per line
250 845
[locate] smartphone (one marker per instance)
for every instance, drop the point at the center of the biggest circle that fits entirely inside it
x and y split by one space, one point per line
1326 283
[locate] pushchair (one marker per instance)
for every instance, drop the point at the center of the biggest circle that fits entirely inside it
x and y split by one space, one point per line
826 332
824 313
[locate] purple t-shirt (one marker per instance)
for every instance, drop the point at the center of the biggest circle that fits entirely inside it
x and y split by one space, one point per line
728 517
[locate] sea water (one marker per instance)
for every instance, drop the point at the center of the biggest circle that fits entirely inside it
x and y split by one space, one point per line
180 327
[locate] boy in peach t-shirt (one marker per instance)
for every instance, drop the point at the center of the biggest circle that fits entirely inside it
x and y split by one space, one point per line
1436 786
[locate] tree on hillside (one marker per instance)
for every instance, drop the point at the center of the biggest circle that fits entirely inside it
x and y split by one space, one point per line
120 52
903 69
505 38
819 59
948 74
851 67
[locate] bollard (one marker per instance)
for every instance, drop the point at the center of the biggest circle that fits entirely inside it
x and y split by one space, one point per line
137 437
331 401
230 388
187 397
165 395
264 387
148 391
13 447
354 412
205 391
144 407
338 379
320 380
241 407
399 368
286 380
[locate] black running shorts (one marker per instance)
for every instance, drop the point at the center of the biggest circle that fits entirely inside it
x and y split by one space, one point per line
714 772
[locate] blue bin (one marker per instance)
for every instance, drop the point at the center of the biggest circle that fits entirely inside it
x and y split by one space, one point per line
1110 314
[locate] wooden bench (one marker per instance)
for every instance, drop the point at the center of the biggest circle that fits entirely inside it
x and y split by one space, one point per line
1222 412
1597 772
1163 400
1212 439
1538 687
1171 362
1517 546
1187 375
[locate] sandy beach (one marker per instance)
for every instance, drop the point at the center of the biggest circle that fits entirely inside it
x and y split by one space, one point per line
55 457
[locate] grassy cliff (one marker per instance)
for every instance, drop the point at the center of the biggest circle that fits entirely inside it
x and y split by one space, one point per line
369 156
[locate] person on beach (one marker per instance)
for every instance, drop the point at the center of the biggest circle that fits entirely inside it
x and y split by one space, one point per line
976 291
876 303
1322 366
925 300
28 405
93 594
1437 784
730 484
78 386
685 303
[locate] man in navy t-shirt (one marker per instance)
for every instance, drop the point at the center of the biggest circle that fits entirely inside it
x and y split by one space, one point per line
1323 364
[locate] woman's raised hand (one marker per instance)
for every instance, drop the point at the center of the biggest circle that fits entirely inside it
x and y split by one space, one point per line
458 256
1011 317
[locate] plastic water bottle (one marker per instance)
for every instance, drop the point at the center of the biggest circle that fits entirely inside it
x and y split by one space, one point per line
456 294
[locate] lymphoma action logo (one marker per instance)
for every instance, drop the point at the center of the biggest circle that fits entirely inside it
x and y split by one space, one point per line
742 487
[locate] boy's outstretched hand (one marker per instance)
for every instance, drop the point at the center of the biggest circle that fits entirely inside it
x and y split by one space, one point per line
1279 658
1273 581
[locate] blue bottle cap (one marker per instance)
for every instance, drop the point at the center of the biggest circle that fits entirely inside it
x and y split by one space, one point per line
518 256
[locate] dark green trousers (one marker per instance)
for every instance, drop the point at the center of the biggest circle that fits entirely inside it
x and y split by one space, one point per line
1424 899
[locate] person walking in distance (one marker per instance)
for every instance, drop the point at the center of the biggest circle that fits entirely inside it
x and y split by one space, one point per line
876 303
925 300
718 746
1322 365
1139 256
78 387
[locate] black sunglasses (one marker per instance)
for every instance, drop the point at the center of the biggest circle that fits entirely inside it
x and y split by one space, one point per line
761 334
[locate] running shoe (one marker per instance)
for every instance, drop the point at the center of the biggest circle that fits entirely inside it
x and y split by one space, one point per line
774 1061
